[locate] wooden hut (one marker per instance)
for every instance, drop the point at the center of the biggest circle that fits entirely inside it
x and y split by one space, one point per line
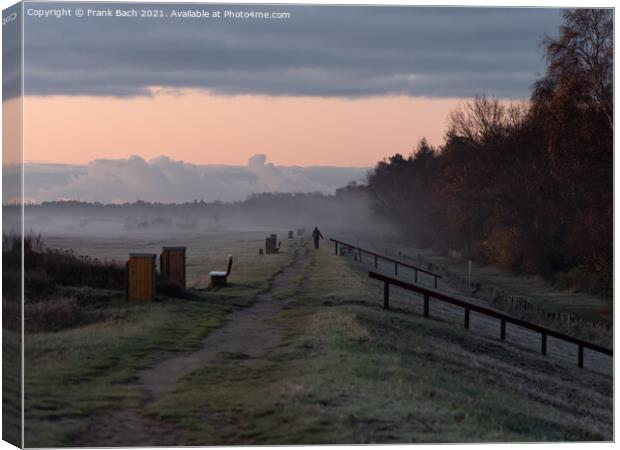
172 265
271 244
141 277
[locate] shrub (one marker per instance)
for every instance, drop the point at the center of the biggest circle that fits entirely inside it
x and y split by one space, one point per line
502 247
46 268
51 315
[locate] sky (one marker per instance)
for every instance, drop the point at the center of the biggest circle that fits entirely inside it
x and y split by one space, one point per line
326 86
201 128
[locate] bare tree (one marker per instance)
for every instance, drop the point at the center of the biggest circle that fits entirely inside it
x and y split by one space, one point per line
484 119
583 53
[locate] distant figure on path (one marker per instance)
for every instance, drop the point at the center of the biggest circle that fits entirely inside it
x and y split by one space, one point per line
316 234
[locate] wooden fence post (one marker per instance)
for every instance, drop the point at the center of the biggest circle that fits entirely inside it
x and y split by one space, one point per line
386 295
375 261
426 305
395 268
580 359
543 343
416 275
336 248
503 329
435 282
466 317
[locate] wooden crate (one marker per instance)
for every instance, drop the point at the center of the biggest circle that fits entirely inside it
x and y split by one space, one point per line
141 277
172 265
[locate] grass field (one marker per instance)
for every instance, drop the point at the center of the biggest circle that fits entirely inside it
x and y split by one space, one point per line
73 373
344 370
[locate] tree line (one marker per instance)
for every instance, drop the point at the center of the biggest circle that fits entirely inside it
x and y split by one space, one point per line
524 186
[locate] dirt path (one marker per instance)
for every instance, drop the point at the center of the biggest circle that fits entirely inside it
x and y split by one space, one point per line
248 332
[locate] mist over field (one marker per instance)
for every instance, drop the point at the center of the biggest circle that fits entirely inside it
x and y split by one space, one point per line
163 196
349 210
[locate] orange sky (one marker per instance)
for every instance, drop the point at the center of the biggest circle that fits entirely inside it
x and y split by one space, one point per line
200 128
11 126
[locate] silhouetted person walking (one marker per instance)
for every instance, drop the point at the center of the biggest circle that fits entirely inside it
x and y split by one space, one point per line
316 234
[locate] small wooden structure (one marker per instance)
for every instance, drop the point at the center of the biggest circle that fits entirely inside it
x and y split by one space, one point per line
172 265
141 277
271 244
220 278
290 235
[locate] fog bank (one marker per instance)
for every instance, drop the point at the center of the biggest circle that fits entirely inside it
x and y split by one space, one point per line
348 211
166 180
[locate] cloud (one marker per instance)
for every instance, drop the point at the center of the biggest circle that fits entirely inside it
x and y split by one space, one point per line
339 51
165 180
257 161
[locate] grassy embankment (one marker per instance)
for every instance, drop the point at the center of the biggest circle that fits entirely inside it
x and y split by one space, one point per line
533 288
549 296
349 372
345 372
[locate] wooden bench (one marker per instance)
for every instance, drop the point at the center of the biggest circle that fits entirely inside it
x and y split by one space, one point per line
219 278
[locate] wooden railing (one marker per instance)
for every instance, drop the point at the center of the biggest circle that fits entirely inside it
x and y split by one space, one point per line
503 318
378 257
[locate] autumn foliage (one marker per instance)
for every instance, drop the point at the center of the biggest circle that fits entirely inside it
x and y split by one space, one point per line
527 187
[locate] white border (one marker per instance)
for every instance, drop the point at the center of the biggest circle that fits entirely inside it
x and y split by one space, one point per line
475 3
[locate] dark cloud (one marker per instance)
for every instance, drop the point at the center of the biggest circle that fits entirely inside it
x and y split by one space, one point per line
11 52
320 51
